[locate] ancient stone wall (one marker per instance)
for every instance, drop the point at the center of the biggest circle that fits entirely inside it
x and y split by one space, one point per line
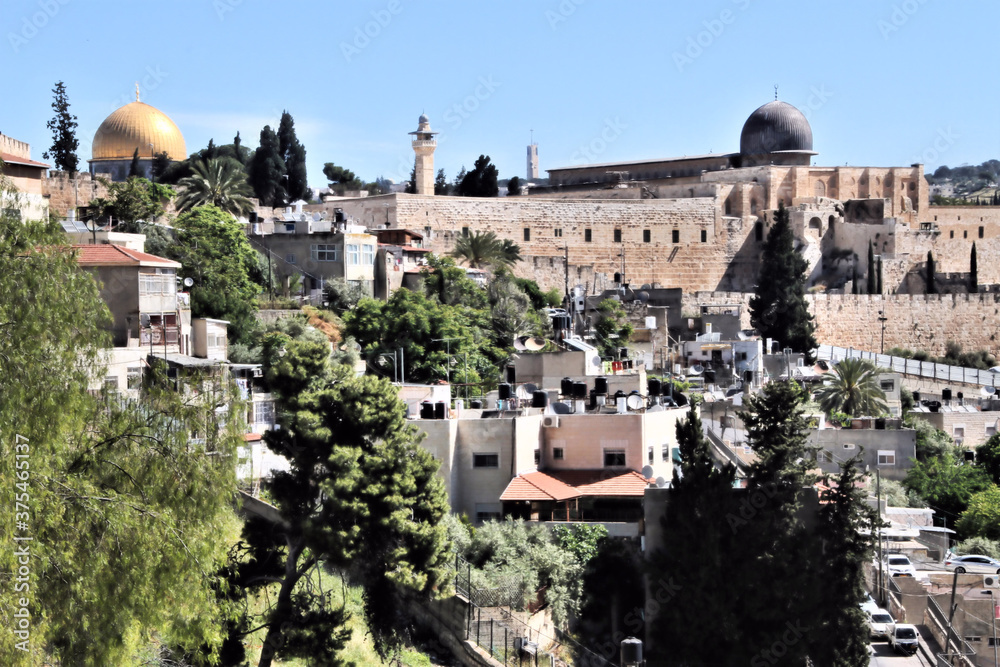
916 322
66 193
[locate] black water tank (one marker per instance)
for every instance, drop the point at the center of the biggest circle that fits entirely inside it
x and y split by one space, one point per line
655 386
511 374
505 391
427 410
631 651
476 404
593 400
946 394
916 397
566 386
440 410
579 390
539 399
601 385
619 394
618 277
623 353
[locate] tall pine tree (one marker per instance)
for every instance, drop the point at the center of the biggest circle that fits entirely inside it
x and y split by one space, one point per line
872 280
267 169
778 308
931 274
973 271
63 126
294 154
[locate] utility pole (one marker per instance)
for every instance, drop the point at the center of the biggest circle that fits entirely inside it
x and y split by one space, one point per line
569 300
878 499
447 365
882 318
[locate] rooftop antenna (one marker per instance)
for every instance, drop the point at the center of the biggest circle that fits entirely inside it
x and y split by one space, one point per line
775 92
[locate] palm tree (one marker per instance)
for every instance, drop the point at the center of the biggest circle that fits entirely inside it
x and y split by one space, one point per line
477 249
853 388
217 182
510 253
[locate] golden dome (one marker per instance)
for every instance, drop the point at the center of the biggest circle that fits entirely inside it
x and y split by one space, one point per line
137 125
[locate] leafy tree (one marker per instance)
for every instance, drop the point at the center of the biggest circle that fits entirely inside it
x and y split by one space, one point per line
583 540
853 388
341 179
614 598
872 279
982 517
130 203
979 546
947 484
359 494
931 284
266 170
613 329
477 249
441 185
931 442
973 271
124 507
988 457
342 296
216 254
411 185
221 183
457 183
293 153
778 308
63 126
511 314
896 495
514 186
135 167
450 285
539 299
161 162
481 181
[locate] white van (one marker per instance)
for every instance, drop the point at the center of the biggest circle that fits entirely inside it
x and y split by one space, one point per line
903 638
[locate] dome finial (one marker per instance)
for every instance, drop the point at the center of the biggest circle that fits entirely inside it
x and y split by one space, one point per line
136 91
775 92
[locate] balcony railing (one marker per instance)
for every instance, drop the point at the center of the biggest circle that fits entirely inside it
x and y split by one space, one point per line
154 335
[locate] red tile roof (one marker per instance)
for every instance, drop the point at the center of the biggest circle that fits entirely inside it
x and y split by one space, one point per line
10 158
252 437
561 485
116 255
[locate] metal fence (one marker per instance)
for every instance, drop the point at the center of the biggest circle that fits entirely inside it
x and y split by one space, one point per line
962 649
927 369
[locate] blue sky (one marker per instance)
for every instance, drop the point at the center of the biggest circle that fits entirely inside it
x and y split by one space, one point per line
883 83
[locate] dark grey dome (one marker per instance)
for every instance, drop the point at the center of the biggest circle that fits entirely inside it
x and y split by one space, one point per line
776 126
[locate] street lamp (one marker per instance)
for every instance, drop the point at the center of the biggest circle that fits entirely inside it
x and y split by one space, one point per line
152 158
882 318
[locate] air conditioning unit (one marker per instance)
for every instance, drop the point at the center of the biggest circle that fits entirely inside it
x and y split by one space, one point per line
258 372
991 581
550 421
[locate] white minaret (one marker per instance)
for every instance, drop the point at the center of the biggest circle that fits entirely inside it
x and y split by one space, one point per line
424 145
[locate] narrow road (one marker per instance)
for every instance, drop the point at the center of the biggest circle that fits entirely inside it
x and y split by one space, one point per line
885 657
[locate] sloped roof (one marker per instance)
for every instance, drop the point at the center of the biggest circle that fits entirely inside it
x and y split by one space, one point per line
10 158
116 255
558 485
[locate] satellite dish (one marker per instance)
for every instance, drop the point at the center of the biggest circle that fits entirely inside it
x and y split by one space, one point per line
660 482
188 282
530 388
647 472
642 297
634 402
519 343
596 361
562 409
697 369
144 320
990 390
534 343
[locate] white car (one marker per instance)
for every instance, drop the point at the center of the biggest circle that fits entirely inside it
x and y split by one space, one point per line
904 638
972 563
868 605
552 312
879 623
899 565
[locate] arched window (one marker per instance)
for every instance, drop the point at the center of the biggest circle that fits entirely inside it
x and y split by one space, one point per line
820 189
729 207
816 224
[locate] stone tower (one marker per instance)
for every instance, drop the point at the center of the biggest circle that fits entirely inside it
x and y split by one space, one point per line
532 161
424 145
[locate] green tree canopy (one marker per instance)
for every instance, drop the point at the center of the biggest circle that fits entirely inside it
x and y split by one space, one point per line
441 185
982 517
266 170
63 127
220 182
514 187
481 181
947 484
293 153
613 329
131 203
778 308
853 388
341 179
988 457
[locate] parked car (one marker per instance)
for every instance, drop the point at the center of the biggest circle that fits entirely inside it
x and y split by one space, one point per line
868 605
972 563
904 638
899 565
552 312
879 623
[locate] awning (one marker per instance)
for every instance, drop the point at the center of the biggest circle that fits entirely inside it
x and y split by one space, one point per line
559 485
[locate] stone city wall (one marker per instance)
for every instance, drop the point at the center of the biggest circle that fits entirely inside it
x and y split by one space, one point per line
915 321
67 193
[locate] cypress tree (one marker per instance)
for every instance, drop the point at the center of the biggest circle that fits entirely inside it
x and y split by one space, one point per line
266 170
135 168
871 286
854 280
778 308
973 271
63 126
878 286
294 154
931 286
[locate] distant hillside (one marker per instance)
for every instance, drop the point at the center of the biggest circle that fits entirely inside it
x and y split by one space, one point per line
966 184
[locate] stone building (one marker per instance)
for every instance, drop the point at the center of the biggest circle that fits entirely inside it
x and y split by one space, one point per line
26 175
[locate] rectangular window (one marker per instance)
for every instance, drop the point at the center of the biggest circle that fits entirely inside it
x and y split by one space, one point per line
290 258
587 236
133 375
704 236
980 231
991 431
157 284
614 458
887 385
527 233
353 254
485 460
368 255
558 233
263 412
488 512
886 457
538 457
849 446
618 236
558 453
324 252
647 236
465 231
111 383
675 236
649 454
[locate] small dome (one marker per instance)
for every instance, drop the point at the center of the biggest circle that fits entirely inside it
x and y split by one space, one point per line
137 125
776 126
423 119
